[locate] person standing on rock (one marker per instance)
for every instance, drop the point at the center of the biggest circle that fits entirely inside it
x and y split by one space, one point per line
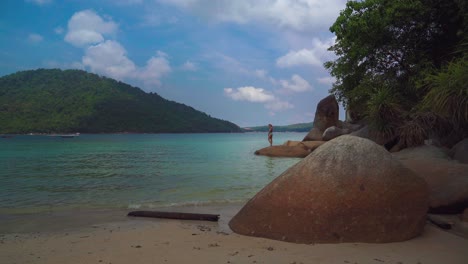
270 134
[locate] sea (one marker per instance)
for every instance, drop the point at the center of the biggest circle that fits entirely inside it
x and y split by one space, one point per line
40 173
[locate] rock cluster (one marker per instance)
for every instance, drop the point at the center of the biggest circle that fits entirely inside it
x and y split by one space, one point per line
326 116
348 190
447 179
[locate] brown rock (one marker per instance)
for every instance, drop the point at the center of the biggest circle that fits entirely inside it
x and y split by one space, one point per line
422 152
310 145
326 116
447 181
366 132
298 151
464 216
460 151
348 190
333 132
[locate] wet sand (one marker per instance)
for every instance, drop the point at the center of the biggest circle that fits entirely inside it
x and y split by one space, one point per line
111 237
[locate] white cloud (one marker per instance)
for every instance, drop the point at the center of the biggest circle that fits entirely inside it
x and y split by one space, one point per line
263 74
315 56
156 68
278 105
299 15
326 80
110 59
297 84
35 38
249 93
189 66
257 95
86 28
40 2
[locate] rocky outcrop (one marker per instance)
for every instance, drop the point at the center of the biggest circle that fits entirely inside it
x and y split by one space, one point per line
326 116
423 152
333 132
347 190
447 181
464 216
366 132
311 145
298 151
349 126
460 151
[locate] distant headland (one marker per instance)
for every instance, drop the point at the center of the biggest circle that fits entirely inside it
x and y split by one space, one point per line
69 101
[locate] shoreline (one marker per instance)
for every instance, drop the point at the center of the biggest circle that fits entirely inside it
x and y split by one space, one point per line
109 236
75 219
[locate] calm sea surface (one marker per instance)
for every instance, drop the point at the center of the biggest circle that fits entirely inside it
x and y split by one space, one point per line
41 173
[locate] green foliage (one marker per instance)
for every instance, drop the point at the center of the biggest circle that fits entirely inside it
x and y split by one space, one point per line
448 92
386 49
384 111
56 101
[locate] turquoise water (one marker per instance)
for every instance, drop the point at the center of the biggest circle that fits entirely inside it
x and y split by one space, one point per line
41 173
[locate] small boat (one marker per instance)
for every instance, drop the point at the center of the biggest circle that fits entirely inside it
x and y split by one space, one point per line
7 136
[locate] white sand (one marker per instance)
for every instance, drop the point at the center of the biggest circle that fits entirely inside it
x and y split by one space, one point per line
138 240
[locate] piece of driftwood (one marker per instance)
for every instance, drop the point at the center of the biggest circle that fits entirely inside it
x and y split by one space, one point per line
440 223
175 215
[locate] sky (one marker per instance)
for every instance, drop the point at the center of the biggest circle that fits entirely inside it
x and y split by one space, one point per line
245 61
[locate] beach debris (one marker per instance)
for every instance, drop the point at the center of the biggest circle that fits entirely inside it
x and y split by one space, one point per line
204 228
176 215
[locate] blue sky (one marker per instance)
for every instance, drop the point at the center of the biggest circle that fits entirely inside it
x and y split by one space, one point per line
249 62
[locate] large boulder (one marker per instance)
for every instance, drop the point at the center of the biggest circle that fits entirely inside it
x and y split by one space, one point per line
326 116
460 151
298 151
447 181
333 132
349 126
423 152
311 145
348 190
368 133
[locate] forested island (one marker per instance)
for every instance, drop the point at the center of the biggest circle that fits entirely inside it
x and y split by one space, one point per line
66 101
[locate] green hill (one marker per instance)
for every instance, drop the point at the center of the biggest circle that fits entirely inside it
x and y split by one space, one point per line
301 127
61 101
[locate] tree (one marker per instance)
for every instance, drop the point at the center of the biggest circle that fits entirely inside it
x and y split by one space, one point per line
386 49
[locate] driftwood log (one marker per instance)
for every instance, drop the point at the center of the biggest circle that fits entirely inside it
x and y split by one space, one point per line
176 215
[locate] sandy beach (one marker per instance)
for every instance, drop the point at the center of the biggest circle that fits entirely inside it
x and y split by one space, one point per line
111 237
